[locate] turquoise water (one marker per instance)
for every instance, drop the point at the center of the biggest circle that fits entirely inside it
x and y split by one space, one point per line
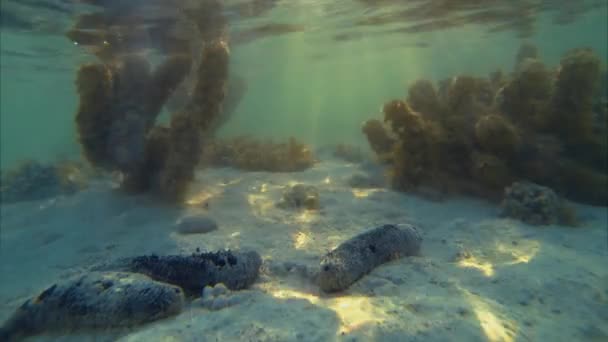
304 84
460 209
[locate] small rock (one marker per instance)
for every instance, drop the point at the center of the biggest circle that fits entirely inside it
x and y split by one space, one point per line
300 196
536 205
361 180
195 225
463 311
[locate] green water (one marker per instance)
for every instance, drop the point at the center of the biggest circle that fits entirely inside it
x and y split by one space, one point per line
303 84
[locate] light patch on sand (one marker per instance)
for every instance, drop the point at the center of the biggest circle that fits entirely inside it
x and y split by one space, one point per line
495 328
523 252
327 180
307 216
473 262
353 311
502 255
201 197
232 182
363 193
259 204
301 240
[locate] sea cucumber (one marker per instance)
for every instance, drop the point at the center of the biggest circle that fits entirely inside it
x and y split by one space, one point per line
357 256
94 301
237 270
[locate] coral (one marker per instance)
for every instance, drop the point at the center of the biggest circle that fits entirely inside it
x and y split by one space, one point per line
189 126
349 153
247 153
525 98
422 97
32 180
536 205
300 196
526 51
476 136
379 139
121 99
219 297
416 153
576 86
491 171
119 103
497 135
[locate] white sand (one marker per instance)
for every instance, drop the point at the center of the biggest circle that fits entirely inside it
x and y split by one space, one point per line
519 282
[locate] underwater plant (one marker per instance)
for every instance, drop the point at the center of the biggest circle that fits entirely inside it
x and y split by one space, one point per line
247 153
121 99
478 135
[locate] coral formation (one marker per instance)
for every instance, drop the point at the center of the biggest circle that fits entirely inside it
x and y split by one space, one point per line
536 205
121 99
359 255
478 135
219 297
249 154
98 300
33 180
379 139
349 153
300 196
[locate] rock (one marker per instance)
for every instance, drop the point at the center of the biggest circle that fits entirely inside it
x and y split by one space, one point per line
362 180
94 301
359 255
32 180
219 296
195 225
300 196
537 205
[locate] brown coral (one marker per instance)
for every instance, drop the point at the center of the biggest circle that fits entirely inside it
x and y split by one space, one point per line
476 136
495 134
121 99
379 139
249 154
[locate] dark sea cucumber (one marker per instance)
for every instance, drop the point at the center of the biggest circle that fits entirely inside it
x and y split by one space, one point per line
357 256
236 270
98 300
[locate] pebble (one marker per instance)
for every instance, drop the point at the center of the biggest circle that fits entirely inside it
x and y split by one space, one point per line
195 225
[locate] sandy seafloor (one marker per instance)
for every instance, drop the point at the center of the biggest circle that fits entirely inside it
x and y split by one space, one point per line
519 283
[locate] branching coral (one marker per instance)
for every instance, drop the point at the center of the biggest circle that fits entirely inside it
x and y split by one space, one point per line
379 139
121 99
249 154
479 135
